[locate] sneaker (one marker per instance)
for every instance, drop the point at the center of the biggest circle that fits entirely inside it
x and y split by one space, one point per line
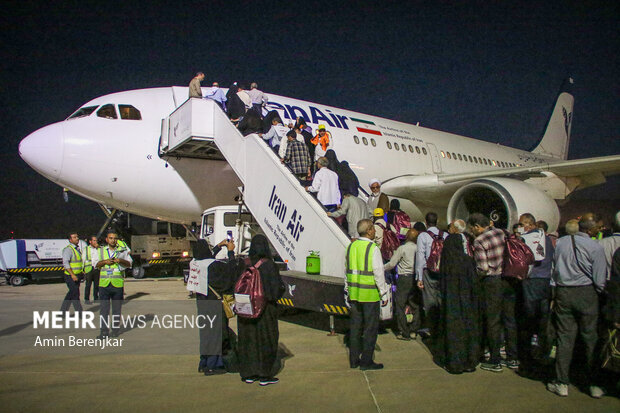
596 392
558 388
249 380
496 368
267 382
402 337
511 364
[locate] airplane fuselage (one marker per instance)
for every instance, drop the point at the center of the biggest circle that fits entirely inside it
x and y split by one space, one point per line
116 162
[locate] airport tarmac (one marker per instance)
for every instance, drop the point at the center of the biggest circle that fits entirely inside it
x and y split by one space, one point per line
315 375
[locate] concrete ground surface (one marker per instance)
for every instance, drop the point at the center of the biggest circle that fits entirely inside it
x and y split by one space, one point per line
315 376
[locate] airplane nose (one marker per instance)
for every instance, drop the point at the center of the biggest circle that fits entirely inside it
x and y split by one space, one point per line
42 150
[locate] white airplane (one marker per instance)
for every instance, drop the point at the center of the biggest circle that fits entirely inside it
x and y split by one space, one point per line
108 151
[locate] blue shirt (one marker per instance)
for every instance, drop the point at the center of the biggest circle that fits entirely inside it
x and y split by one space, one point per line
591 256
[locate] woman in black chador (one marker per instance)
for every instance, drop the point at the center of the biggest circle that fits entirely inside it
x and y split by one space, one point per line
257 346
458 345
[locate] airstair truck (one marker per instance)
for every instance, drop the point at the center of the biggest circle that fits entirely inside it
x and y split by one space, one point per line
292 219
24 259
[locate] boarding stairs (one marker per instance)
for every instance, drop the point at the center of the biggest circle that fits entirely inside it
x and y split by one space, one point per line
292 219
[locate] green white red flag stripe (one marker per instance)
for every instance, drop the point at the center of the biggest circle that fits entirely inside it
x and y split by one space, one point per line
372 132
366 130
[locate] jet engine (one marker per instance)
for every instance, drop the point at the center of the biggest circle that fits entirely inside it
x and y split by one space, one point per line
503 200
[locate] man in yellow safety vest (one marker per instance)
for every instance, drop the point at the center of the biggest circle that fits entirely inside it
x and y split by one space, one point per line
111 262
74 267
365 290
91 274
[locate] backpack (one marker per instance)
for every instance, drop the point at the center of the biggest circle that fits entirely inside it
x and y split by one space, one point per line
389 244
401 220
517 257
434 258
249 294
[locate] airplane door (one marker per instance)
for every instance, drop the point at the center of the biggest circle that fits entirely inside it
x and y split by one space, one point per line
432 149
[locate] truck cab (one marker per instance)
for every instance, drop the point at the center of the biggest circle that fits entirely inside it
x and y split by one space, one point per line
220 221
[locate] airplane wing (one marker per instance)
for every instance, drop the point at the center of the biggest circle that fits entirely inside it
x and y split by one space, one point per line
588 171
605 165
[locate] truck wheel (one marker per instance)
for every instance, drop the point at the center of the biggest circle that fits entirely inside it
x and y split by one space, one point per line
17 280
138 272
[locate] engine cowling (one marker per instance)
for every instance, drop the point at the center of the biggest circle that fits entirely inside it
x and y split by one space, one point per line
503 200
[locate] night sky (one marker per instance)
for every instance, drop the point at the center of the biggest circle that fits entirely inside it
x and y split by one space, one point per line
487 73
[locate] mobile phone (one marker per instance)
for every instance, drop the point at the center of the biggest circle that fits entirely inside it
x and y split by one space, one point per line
229 235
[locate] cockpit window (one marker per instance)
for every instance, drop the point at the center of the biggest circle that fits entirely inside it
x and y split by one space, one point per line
107 111
82 112
129 112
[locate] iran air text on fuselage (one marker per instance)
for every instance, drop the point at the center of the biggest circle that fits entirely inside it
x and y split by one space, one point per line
312 115
279 208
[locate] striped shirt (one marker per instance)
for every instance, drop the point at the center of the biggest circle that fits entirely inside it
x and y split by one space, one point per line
489 251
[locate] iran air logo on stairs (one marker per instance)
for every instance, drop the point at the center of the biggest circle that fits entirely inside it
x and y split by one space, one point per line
293 223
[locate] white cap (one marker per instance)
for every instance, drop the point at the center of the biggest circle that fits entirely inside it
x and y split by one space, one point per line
374 181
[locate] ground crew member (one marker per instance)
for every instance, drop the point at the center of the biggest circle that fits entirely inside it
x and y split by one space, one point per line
74 267
321 140
91 274
111 261
365 288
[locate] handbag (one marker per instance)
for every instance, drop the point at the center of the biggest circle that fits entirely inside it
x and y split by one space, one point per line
228 301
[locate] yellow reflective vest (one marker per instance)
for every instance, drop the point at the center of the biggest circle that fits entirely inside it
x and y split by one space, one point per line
76 264
110 273
360 277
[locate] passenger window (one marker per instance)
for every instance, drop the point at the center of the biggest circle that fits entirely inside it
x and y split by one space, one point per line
485 161
389 145
417 149
424 151
356 139
129 112
449 156
465 158
453 156
373 142
460 157
404 147
475 159
396 147
470 160
83 112
443 155
365 140
107 111
410 148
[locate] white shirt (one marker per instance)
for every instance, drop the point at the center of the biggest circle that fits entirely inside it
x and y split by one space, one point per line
325 183
245 98
284 144
404 257
355 209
